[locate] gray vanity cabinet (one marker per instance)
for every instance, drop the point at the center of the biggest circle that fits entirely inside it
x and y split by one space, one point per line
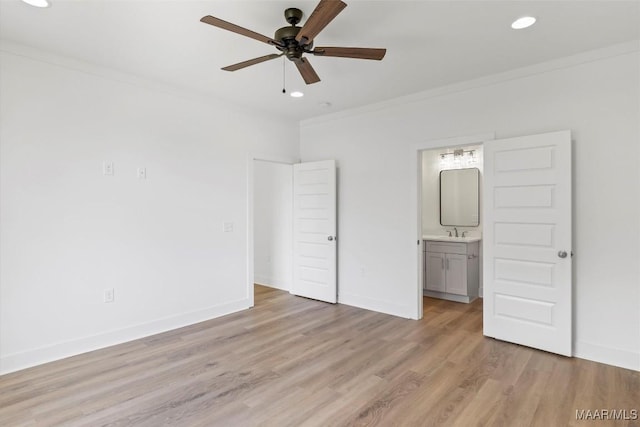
451 270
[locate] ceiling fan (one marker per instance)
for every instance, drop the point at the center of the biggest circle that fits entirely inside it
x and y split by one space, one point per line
294 41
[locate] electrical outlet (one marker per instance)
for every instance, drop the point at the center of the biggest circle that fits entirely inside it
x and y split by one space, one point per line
227 227
142 173
107 168
109 295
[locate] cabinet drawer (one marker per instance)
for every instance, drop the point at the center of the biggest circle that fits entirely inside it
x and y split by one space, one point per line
445 247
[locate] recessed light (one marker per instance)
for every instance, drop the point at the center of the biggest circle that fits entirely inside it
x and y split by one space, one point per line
37 3
524 22
297 94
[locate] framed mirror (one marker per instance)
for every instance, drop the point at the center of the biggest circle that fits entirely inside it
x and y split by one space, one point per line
459 197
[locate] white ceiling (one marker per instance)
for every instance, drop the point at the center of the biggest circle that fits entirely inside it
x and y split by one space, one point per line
430 43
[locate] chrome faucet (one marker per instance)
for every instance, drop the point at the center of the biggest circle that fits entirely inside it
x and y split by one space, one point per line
455 233
455 229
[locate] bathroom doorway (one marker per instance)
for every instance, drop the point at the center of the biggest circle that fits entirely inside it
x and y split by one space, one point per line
525 238
449 220
451 202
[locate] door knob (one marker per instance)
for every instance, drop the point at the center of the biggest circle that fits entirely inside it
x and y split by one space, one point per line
330 238
562 254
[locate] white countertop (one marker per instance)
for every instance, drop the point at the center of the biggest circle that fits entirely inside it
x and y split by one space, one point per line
467 239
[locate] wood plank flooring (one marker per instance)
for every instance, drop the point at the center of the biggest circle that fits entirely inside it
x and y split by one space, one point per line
296 362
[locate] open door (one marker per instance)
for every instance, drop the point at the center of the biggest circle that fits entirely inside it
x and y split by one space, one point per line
314 231
527 241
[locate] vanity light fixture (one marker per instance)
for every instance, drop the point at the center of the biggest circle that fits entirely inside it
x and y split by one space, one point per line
522 23
37 3
458 159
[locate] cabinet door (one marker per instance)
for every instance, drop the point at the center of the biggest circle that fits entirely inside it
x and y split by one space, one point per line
434 263
456 274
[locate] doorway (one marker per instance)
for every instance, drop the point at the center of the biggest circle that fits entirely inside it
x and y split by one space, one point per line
270 223
433 157
451 237
292 240
526 243
273 224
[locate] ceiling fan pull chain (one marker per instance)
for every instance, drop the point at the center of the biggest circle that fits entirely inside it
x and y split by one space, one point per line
283 74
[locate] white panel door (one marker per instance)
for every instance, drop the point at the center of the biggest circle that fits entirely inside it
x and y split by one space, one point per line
527 241
314 231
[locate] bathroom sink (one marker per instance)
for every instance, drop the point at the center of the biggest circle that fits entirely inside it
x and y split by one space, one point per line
466 239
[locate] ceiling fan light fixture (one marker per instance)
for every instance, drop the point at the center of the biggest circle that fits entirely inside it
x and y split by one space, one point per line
522 23
296 94
37 3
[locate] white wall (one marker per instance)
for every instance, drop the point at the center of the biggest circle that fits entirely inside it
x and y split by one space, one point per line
273 224
69 232
596 95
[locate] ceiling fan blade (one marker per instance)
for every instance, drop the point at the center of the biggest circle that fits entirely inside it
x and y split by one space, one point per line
324 13
306 70
350 52
250 62
216 22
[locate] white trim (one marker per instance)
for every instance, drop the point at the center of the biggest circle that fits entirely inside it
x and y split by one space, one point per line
449 297
17 361
416 153
112 74
262 157
270 282
379 306
419 308
611 356
518 73
448 142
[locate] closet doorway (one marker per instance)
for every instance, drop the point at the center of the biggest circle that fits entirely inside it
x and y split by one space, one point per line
292 232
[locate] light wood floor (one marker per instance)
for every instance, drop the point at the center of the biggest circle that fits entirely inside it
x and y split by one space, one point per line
292 362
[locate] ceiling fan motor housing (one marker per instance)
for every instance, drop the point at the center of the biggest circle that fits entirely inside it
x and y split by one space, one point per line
287 36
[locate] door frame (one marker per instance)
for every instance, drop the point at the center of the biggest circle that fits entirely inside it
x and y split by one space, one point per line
435 144
253 157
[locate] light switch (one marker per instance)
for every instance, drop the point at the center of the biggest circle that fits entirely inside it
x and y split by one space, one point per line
228 227
107 168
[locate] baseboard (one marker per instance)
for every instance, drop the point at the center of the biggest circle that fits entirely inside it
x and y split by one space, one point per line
377 305
610 356
17 361
271 282
449 297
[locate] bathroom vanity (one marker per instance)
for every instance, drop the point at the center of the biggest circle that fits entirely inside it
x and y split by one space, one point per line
451 267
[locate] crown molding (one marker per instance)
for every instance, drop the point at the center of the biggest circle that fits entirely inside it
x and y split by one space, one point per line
620 49
114 75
